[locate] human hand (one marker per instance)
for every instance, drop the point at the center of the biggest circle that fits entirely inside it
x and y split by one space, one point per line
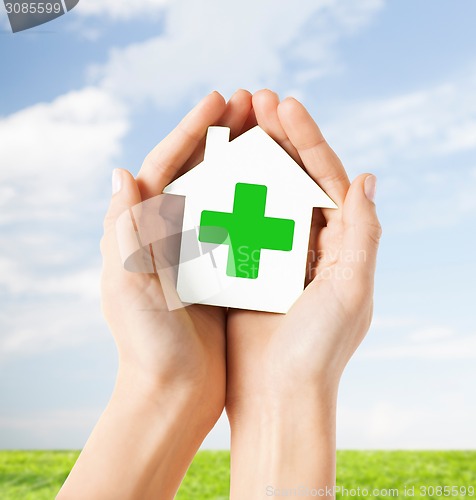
170 387
284 370
184 347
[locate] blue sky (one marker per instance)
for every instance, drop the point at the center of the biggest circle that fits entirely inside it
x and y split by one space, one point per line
392 85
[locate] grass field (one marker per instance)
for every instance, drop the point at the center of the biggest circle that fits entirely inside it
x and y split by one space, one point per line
38 475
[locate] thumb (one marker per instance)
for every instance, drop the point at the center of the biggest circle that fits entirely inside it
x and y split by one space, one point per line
125 194
362 229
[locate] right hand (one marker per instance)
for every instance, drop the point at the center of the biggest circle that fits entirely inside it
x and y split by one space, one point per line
184 349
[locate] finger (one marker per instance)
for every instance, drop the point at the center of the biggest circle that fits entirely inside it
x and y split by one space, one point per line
362 231
265 105
235 115
125 195
166 159
319 159
250 122
236 112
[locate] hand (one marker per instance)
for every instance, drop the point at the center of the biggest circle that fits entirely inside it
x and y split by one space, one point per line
170 388
284 370
184 347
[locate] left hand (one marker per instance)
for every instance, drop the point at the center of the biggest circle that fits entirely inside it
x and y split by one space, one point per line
170 388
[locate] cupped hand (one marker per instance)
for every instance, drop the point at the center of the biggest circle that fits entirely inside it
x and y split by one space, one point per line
273 356
182 350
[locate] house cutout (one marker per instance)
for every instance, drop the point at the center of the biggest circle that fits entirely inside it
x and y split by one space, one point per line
253 203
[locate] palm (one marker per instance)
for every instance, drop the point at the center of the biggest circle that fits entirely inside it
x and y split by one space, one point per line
304 338
181 341
266 349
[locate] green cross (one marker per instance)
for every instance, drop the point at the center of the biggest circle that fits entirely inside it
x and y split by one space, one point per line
247 231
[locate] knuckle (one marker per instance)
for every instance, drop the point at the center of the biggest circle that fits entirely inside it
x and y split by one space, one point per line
109 221
191 135
375 232
153 163
359 302
371 229
108 242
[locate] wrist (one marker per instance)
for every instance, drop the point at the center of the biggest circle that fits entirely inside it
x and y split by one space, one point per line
280 409
277 395
283 443
184 402
143 443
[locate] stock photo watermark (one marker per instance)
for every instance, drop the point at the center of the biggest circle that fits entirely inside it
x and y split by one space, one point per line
216 265
430 491
333 264
26 14
325 264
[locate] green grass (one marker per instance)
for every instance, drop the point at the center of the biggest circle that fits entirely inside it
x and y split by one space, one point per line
38 475
396 469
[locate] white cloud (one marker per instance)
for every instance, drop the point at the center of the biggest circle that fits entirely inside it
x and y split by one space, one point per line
17 280
390 322
68 429
431 333
57 154
43 325
51 420
441 422
56 161
433 342
422 146
206 45
53 155
121 9
448 204
421 124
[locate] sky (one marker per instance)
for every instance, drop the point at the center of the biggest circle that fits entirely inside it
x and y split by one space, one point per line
393 87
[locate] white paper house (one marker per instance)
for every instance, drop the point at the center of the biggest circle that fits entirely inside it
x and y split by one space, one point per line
261 263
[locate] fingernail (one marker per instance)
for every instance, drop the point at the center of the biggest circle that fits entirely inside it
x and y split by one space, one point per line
116 180
370 186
